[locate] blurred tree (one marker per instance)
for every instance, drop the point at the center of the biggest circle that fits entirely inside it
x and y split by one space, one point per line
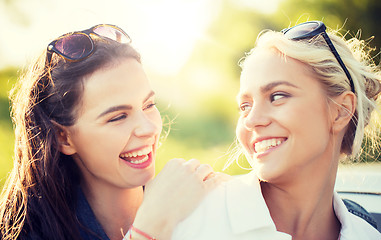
15 12
351 15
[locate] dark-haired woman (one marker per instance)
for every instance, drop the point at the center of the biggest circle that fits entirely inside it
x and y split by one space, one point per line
87 130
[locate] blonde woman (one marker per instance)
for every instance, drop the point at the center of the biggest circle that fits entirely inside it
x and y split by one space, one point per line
305 98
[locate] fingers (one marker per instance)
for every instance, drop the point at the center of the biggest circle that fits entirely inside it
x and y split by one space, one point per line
203 171
192 164
223 176
216 178
175 162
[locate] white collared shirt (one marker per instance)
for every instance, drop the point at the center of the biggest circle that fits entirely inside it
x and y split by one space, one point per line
352 226
236 210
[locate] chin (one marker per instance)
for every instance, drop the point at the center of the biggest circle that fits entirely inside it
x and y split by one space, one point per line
265 172
142 178
146 177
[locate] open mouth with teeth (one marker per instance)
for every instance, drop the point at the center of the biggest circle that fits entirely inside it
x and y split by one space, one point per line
138 159
265 145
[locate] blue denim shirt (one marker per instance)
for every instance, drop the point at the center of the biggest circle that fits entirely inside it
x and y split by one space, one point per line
90 228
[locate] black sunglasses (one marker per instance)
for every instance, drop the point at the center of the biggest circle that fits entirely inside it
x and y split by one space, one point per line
79 45
311 29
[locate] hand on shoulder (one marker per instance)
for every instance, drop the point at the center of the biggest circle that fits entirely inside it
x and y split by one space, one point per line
173 194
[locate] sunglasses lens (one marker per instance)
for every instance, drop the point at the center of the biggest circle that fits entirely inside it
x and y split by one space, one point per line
75 46
301 30
112 33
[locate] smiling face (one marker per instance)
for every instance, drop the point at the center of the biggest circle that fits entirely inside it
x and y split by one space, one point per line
115 137
284 124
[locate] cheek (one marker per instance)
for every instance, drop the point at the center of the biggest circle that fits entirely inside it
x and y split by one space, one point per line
312 126
242 133
159 121
156 120
101 142
102 145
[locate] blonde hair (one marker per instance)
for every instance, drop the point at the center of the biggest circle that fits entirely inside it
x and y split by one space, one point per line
315 53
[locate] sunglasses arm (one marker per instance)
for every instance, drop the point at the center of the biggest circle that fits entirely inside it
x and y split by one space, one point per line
338 58
48 58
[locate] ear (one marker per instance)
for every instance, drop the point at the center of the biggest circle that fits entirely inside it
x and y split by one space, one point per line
344 107
65 144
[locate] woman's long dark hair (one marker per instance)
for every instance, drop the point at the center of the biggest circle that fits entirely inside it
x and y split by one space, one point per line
39 196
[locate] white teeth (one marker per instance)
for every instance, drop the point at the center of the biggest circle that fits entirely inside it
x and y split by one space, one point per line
141 152
140 161
267 144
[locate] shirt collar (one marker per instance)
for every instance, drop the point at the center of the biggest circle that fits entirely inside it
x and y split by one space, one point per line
341 212
242 207
352 226
249 202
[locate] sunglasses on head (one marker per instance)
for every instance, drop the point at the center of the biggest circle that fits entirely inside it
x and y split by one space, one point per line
79 45
311 29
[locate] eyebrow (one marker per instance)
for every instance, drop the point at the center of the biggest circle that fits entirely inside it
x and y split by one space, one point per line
272 85
123 107
268 87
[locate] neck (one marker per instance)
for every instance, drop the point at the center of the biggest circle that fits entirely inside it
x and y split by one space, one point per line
114 208
302 206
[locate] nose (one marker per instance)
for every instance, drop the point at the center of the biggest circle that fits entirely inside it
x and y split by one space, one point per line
257 117
148 126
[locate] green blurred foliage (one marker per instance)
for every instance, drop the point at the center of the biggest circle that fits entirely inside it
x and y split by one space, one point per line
7 79
202 121
350 15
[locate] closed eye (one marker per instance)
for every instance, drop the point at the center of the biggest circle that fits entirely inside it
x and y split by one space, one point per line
118 117
151 105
